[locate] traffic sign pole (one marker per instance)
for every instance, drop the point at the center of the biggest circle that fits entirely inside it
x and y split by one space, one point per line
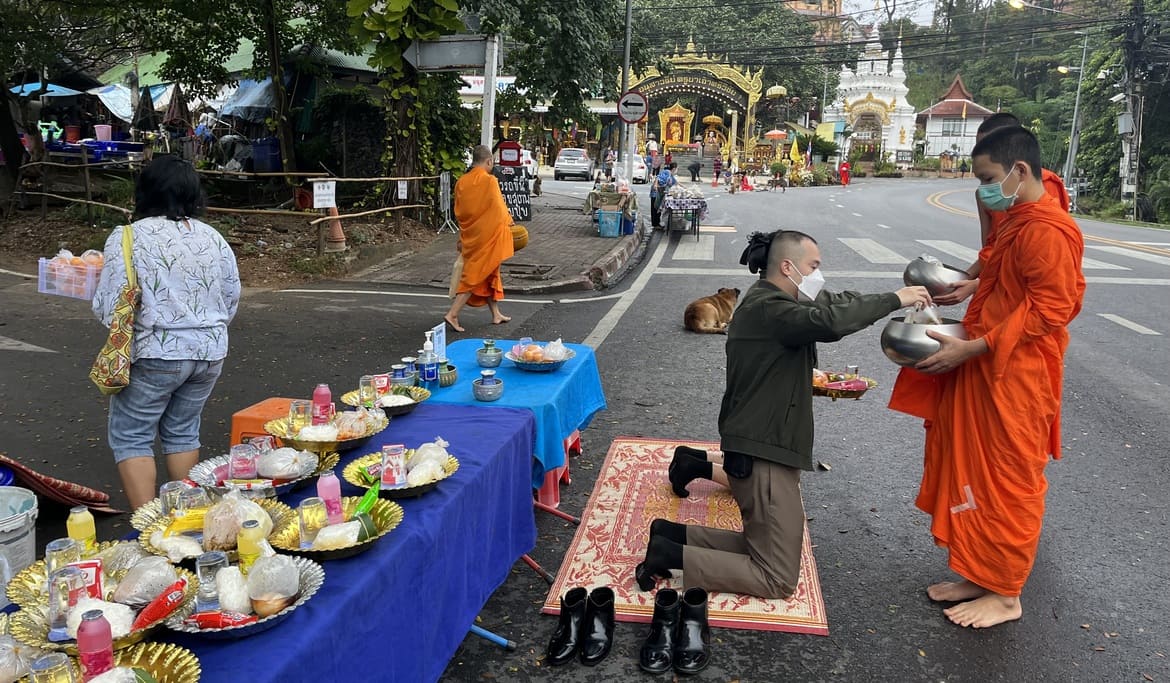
632 108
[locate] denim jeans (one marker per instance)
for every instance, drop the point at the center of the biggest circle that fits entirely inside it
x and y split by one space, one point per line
165 399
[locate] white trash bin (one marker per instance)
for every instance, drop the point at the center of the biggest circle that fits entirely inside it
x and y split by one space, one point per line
18 534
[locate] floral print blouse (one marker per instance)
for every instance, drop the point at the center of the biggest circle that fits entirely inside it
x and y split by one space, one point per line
190 289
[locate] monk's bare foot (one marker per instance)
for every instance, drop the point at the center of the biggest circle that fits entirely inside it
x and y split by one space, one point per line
500 320
955 591
453 322
986 611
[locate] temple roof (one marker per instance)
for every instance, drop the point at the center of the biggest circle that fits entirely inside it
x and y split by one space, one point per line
956 102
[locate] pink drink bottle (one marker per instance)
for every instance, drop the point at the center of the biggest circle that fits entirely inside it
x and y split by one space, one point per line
322 402
329 490
95 645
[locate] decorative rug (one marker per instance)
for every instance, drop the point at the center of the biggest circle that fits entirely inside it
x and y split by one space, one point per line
631 491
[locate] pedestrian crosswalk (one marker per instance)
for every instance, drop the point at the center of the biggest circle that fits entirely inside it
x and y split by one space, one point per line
873 252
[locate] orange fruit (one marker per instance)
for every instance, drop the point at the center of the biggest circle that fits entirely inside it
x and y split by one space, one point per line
533 353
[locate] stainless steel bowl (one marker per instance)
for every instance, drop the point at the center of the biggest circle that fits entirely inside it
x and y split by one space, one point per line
906 343
490 392
489 358
936 277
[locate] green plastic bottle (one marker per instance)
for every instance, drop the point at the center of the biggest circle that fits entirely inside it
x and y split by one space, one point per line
367 502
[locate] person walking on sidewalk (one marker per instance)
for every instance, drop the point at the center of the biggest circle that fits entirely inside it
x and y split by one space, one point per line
485 239
662 182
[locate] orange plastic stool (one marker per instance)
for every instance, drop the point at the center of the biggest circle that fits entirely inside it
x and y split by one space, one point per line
550 492
249 422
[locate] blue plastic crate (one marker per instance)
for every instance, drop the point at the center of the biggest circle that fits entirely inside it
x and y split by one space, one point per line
609 223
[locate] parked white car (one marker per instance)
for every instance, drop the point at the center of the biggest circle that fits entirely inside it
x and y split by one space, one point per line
573 161
641 171
529 163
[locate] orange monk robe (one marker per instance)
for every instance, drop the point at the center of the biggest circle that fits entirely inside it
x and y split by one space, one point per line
1053 185
996 419
484 230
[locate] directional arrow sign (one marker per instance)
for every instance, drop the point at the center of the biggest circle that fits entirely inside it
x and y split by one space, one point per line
447 53
633 107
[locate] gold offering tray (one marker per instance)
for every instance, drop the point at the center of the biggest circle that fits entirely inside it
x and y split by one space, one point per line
280 429
31 625
350 474
844 393
387 516
281 514
29 588
204 474
419 394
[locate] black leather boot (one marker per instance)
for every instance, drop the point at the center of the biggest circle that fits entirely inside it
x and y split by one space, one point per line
658 650
566 639
691 654
597 630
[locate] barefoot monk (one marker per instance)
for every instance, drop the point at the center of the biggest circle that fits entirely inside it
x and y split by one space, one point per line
992 403
485 239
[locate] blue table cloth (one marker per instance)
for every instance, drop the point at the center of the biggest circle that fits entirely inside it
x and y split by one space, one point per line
400 610
562 401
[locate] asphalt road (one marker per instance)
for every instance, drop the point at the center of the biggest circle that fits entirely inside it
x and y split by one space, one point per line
1095 606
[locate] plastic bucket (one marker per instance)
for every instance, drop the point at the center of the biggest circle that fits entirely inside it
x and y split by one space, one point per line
6 476
18 533
72 133
102 131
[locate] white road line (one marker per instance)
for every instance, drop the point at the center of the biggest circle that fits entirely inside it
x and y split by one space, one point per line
7 344
610 320
420 295
883 226
702 250
857 214
872 251
840 206
1152 281
896 275
1153 244
1131 253
955 249
13 272
1140 329
1094 264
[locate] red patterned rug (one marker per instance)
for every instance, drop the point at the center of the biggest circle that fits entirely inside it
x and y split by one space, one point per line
631 491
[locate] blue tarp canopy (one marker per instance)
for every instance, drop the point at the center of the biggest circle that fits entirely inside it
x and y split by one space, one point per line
54 90
116 97
251 101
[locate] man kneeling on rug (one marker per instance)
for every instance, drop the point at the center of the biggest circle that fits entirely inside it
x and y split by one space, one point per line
766 441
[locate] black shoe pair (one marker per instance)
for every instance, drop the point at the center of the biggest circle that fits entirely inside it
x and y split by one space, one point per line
585 628
679 634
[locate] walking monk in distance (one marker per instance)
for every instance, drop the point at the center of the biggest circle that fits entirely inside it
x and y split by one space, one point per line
485 239
991 403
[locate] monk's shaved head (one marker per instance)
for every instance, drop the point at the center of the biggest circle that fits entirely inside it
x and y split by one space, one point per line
996 121
1007 146
787 245
480 154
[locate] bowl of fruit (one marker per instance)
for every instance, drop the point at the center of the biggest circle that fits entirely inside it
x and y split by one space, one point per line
537 358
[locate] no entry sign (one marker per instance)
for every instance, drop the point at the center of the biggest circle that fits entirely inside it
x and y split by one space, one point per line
633 107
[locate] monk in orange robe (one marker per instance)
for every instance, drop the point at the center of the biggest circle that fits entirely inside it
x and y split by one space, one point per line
989 221
485 239
992 402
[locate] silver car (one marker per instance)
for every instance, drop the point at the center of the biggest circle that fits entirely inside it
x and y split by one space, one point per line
573 161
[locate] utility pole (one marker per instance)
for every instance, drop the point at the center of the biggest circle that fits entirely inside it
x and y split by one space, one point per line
488 115
1070 164
626 156
1137 67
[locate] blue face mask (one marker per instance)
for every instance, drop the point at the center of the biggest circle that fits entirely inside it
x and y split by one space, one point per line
993 197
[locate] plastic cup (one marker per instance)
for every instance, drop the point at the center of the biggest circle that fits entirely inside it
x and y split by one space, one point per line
242 461
54 667
300 415
168 496
313 517
66 587
60 552
207 568
191 499
367 394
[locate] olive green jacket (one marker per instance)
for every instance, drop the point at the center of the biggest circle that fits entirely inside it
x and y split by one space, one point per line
771 352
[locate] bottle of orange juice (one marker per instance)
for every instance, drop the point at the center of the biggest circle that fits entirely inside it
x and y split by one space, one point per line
248 544
80 527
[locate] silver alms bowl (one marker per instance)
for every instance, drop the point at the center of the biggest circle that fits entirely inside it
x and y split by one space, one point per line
906 343
936 277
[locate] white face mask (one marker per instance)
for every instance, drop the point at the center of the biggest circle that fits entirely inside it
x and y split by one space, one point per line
810 285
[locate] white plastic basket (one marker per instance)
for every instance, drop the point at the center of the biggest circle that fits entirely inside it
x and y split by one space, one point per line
64 279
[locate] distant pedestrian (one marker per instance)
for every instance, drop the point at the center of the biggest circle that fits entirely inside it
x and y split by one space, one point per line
963 168
694 167
843 171
717 165
652 152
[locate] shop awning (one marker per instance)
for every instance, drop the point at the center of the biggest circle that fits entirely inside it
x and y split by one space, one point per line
54 90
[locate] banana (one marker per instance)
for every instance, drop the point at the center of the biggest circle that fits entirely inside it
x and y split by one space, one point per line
191 521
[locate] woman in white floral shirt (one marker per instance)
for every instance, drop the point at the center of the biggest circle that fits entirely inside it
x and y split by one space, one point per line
190 292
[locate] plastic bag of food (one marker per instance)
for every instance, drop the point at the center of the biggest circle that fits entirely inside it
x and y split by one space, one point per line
434 451
119 674
233 591
119 616
318 433
15 657
223 521
273 584
555 350
927 315
426 472
93 257
177 548
337 536
285 463
122 556
145 581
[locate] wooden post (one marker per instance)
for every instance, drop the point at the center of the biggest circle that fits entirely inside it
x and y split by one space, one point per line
45 187
322 232
88 190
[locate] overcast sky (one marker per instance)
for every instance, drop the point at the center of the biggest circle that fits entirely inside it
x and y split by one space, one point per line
918 10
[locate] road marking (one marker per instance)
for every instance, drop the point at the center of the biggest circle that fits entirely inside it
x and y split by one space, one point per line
1093 264
420 295
883 226
702 250
953 248
872 251
13 272
1140 329
897 275
1131 253
611 318
7 344
840 206
935 200
1153 244
716 228
857 214
1138 246
1152 281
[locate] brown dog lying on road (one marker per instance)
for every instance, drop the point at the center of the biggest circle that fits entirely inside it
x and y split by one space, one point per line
711 314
